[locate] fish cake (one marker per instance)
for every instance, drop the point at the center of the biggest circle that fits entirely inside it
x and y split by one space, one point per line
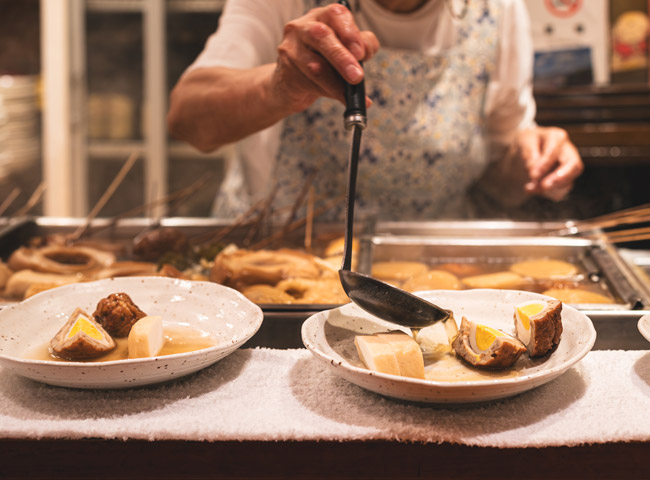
398 271
545 269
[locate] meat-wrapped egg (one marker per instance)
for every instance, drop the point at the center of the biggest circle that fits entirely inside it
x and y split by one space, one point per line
484 346
538 324
81 338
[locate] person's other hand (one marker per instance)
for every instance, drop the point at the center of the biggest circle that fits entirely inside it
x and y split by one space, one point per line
551 160
316 51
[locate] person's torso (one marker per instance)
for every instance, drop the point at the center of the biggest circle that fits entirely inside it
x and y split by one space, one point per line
423 147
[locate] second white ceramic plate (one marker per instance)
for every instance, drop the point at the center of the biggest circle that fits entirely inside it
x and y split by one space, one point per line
220 312
329 335
644 326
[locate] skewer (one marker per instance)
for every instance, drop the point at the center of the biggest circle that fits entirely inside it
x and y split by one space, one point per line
296 224
265 212
222 233
106 196
9 200
629 216
245 219
631 235
301 197
309 228
188 191
33 200
172 197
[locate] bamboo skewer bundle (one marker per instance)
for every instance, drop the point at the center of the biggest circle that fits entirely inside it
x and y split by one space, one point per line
263 210
32 201
6 203
630 235
629 216
309 228
105 197
297 224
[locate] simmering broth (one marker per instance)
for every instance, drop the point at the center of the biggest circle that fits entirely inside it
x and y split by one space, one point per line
178 339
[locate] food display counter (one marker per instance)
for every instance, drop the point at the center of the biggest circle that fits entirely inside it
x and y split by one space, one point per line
487 245
272 410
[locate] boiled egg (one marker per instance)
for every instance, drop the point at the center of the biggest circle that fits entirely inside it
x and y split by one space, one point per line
523 313
538 324
81 337
485 346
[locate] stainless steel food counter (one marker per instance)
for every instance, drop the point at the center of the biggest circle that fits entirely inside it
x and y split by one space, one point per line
493 243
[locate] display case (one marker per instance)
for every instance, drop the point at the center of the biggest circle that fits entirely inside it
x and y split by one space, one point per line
109 66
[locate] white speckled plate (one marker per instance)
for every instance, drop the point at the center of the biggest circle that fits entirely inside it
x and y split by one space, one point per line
224 314
644 326
329 335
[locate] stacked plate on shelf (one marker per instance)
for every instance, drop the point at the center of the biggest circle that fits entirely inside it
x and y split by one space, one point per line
20 144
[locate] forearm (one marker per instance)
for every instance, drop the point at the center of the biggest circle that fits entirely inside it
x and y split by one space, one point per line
210 107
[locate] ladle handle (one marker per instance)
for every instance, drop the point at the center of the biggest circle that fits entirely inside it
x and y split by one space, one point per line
355 98
350 197
354 118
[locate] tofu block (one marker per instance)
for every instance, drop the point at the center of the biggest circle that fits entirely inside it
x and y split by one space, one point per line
408 354
395 353
376 354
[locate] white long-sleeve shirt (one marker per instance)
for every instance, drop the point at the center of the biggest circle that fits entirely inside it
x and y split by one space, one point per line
250 31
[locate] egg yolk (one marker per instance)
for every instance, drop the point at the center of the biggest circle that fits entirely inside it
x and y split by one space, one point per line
82 324
527 311
485 336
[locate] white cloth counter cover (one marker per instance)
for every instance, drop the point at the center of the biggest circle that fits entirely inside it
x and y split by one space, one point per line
274 395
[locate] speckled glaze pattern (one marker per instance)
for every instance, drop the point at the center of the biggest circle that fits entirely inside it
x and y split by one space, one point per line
423 147
223 313
644 326
329 335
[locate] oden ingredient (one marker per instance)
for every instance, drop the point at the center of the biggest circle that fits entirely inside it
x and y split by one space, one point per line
81 338
117 313
435 340
395 353
538 324
484 346
146 338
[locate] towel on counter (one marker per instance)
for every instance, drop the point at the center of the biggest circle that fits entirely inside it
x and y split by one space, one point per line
265 394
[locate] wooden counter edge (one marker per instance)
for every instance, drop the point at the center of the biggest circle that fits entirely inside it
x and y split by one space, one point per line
141 459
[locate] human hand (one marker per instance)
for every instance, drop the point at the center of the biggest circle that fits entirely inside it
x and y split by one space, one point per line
551 160
317 50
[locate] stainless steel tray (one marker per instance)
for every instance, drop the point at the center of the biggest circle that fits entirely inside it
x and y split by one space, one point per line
599 262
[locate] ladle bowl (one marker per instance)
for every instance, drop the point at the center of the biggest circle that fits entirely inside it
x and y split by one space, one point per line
390 303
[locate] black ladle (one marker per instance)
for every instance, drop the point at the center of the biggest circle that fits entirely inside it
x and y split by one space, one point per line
374 296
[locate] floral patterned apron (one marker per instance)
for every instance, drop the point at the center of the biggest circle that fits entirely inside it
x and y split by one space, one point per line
424 145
